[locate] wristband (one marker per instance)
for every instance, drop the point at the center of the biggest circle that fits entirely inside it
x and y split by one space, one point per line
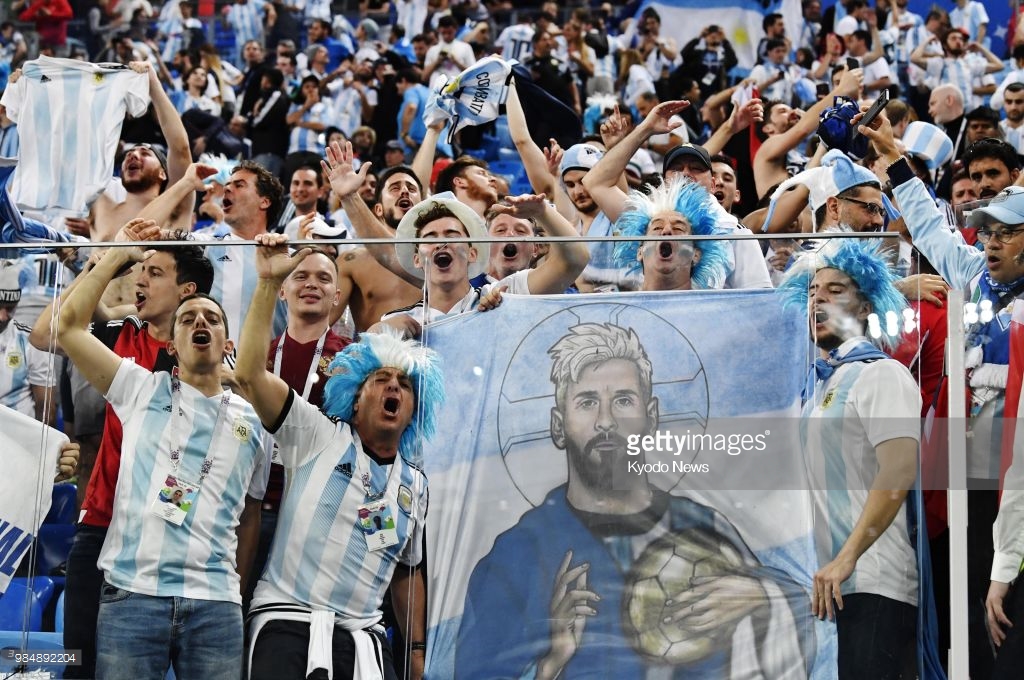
421 646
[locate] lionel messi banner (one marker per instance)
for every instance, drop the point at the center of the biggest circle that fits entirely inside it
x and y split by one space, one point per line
617 491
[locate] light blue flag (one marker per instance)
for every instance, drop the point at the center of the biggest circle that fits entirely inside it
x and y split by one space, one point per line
633 448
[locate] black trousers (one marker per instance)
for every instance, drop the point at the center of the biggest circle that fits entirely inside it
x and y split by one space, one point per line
1010 657
876 637
281 651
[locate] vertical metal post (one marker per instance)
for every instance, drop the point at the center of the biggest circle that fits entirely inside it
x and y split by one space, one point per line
957 497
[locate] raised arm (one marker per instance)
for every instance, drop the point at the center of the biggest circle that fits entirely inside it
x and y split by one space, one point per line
163 208
423 161
775 148
603 179
533 158
345 182
267 393
738 121
94 359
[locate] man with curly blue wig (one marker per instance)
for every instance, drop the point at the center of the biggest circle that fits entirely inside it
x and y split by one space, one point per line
351 522
859 434
677 208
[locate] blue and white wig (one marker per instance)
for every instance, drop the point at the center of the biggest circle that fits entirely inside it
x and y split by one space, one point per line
864 261
693 202
358 361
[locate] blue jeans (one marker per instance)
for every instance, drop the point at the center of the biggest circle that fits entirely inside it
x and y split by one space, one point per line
138 636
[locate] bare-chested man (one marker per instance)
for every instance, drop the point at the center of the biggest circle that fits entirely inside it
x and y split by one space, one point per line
145 172
365 286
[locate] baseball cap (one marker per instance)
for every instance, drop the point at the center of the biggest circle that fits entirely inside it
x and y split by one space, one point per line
394 144
684 150
1006 207
579 157
371 28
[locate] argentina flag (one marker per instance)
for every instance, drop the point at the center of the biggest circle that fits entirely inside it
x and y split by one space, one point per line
683 20
617 491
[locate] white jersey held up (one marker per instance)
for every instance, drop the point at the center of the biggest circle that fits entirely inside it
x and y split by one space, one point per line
69 116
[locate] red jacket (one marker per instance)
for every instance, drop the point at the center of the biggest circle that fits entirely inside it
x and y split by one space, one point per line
53 26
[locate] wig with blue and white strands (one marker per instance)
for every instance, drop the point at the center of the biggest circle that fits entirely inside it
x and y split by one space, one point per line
693 202
358 361
864 261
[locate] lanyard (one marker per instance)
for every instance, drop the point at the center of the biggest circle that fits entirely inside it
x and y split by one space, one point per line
279 354
180 427
364 473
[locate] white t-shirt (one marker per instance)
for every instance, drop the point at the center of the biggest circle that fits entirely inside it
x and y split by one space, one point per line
518 284
447 68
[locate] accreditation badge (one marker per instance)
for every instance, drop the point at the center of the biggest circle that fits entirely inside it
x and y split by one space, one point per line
378 525
174 500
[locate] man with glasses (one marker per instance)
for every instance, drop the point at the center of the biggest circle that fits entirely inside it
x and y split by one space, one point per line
991 279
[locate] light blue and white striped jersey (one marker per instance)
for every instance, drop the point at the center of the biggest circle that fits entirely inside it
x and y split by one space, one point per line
22 366
964 73
234 282
246 20
860 406
146 554
1013 136
516 42
320 557
905 35
347 111
316 9
70 114
601 271
411 15
970 18
304 139
10 143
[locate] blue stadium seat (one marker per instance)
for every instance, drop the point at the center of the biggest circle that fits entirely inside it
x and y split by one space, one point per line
513 170
58 617
63 504
19 596
53 543
509 155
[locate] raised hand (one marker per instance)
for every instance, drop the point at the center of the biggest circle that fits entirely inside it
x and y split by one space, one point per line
341 174
273 261
615 129
659 120
570 608
526 206
553 155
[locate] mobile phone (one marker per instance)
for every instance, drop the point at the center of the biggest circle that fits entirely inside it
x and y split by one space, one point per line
852 63
876 108
822 90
